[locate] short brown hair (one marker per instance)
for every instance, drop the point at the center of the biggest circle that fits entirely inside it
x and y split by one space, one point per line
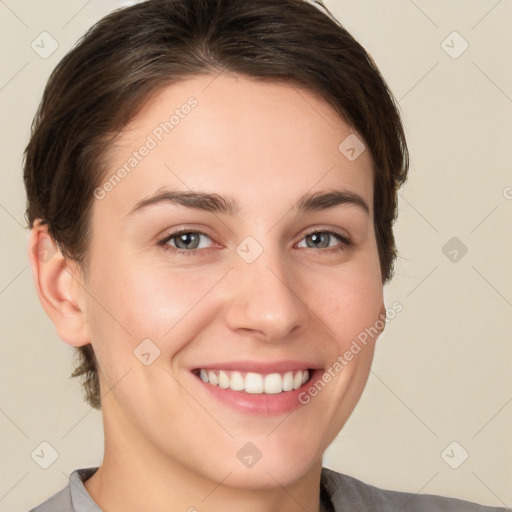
101 84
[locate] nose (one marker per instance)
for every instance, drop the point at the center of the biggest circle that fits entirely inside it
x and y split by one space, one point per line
265 301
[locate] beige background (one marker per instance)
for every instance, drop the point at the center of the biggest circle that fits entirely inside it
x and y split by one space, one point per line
442 369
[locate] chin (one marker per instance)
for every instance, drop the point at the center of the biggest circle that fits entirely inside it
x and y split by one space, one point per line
270 466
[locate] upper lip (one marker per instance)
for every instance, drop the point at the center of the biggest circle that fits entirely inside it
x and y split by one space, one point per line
259 367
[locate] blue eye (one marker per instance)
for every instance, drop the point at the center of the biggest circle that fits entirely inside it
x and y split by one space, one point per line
322 239
189 242
185 242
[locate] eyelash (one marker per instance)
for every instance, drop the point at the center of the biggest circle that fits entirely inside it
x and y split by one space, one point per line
345 242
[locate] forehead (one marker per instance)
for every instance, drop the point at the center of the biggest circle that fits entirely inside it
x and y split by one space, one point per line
228 134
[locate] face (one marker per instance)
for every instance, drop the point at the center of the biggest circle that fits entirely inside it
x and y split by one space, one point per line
259 285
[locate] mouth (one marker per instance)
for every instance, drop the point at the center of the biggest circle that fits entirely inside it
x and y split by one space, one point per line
255 383
261 388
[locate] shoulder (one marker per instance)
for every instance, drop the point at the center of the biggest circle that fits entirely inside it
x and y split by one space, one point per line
73 498
60 501
349 493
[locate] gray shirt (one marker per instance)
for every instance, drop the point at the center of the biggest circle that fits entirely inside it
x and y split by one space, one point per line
338 493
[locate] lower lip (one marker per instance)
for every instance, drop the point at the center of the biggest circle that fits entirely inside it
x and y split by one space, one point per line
264 404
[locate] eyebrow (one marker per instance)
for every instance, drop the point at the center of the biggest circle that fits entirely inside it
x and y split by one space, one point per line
316 201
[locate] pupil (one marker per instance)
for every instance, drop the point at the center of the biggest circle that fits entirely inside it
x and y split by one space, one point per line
187 239
317 239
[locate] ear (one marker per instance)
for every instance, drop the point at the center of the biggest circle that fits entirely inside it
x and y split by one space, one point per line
382 317
59 286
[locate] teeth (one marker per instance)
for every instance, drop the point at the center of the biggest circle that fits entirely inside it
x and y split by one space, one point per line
223 380
212 378
237 382
297 380
273 383
288 381
255 383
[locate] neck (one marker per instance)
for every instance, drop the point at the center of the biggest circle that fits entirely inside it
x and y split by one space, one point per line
136 477
130 489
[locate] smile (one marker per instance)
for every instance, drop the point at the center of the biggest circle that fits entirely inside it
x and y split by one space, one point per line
262 388
255 383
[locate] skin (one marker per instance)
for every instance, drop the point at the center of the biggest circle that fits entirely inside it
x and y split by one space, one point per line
265 144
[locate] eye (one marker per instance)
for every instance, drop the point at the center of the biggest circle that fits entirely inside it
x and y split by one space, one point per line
189 242
184 242
323 239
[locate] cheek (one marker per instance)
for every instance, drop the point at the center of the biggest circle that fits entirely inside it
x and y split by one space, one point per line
157 302
350 304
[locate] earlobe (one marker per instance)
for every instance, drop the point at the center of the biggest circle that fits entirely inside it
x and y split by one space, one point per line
57 286
382 318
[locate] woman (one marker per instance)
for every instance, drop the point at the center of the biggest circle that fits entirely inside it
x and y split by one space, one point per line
211 189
